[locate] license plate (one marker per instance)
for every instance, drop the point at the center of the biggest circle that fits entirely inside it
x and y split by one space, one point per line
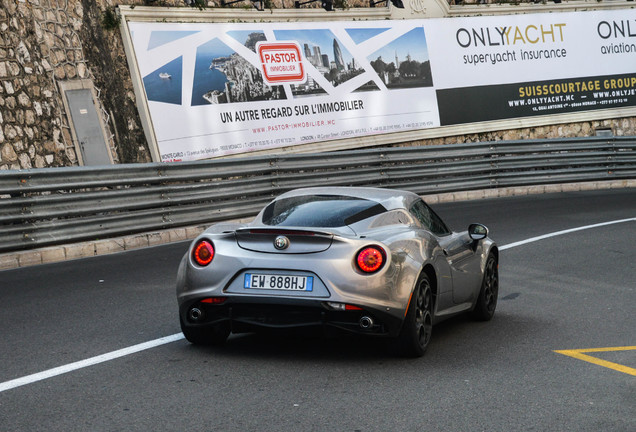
279 282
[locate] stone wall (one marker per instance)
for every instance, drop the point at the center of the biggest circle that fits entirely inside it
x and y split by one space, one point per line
45 43
618 127
31 125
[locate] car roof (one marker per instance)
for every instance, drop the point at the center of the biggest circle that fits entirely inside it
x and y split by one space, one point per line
390 198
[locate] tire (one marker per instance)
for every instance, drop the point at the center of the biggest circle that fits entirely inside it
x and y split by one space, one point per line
418 324
211 336
487 300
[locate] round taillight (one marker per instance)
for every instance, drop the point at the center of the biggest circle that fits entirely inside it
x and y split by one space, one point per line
203 253
370 259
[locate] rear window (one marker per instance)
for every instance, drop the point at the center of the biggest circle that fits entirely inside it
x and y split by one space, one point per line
320 211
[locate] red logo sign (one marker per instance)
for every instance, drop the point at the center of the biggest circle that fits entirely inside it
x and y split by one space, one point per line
281 62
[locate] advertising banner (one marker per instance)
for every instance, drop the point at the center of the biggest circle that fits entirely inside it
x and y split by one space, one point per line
223 88
516 66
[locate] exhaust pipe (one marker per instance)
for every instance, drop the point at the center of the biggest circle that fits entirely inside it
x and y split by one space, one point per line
195 314
366 322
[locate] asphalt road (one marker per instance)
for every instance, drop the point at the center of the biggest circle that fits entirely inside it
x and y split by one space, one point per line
568 292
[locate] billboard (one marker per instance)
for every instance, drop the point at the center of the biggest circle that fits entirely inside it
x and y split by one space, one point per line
215 89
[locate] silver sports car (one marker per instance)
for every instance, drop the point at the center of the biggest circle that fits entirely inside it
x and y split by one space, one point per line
369 261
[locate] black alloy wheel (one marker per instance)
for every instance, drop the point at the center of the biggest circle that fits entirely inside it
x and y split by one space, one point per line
418 324
487 300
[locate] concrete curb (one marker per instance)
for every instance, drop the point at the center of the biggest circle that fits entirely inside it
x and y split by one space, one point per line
94 248
87 249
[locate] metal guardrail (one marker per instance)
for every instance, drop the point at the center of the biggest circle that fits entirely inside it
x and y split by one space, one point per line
42 207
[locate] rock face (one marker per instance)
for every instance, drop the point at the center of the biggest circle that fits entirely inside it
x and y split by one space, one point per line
46 43
43 44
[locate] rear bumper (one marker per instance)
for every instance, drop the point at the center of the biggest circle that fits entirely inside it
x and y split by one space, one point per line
247 314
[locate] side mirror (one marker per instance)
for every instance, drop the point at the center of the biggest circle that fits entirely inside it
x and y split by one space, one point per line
477 231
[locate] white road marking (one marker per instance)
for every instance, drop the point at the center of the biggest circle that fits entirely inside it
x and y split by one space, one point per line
30 379
559 233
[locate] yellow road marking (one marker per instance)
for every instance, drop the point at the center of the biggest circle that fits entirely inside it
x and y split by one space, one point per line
579 354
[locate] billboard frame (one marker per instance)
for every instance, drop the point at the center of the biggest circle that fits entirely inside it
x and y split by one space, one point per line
180 15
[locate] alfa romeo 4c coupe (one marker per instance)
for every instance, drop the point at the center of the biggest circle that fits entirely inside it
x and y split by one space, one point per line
374 262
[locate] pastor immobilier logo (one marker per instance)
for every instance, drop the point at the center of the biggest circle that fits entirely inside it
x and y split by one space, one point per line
281 62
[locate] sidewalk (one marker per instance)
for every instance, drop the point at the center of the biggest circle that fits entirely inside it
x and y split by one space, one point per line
12 260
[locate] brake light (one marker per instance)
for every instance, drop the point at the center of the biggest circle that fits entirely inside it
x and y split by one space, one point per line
214 300
335 306
371 259
282 232
203 253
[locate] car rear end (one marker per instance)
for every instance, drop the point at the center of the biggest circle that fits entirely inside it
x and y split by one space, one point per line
277 274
